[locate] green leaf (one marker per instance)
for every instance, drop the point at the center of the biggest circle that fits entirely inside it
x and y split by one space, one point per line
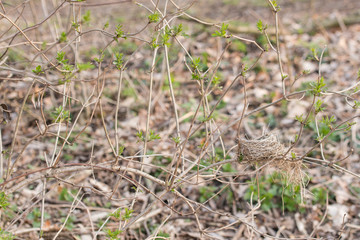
176 30
106 25
227 167
165 38
153 136
113 235
65 195
328 121
38 70
119 60
61 58
222 32
86 17
116 214
99 59
153 18
177 140
275 4
318 106
356 104
320 137
75 25
314 53
317 87
60 115
284 76
140 136
63 37
85 66
121 150
153 43
119 33
6 235
4 201
348 126
260 26
127 214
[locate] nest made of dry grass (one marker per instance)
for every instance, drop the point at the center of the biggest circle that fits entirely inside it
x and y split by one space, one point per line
269 150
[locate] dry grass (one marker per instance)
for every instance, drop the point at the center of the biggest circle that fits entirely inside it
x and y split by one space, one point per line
268 150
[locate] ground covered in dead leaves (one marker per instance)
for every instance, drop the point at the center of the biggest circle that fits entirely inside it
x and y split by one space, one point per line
99 144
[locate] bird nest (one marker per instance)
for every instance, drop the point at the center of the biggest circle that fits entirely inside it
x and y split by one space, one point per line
267 150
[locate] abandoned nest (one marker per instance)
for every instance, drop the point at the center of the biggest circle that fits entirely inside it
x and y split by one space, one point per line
268 150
